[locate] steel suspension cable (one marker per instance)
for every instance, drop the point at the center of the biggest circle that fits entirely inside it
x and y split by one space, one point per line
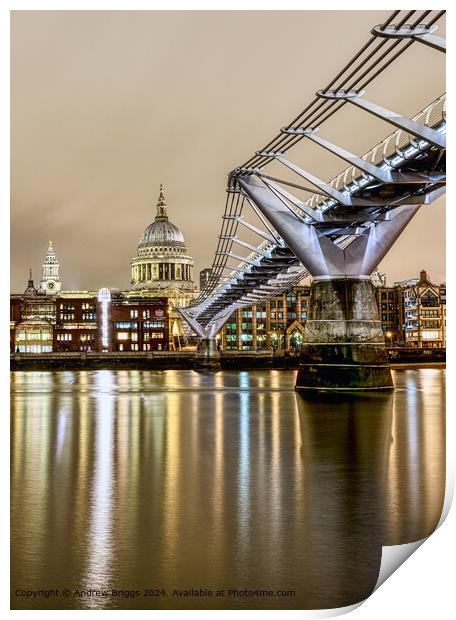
330 107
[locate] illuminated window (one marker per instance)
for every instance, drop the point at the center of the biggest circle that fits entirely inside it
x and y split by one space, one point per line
65 316
157 335
123 335
134 347
66 337
430 335
134 336
133 314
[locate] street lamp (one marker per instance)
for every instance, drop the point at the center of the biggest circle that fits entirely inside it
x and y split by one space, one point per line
389 335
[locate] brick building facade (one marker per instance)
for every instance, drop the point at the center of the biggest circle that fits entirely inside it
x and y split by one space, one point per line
80 321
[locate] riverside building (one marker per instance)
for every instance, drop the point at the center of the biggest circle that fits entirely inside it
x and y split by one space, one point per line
277 323
423 312
85 321
412 314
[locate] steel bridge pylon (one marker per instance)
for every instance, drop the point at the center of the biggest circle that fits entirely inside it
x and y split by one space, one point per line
343 343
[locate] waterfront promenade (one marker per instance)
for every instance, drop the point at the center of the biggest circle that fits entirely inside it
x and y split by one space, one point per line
179 360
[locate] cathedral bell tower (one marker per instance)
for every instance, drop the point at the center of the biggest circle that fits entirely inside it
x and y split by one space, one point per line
50 281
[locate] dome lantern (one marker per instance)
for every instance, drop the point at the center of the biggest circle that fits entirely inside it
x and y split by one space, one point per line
161 206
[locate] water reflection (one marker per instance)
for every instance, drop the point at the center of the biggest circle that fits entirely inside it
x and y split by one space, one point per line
344 451
99 552
171 479
416 461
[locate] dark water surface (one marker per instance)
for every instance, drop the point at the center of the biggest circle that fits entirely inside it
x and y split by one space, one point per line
155 482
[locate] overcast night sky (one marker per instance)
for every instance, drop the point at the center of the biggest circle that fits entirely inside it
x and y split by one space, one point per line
106 105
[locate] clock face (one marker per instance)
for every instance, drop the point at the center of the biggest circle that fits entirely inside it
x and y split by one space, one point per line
50 285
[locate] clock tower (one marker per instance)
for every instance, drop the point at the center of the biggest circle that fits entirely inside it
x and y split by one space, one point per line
50 281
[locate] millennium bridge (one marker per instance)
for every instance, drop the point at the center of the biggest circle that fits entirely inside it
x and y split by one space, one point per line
282 222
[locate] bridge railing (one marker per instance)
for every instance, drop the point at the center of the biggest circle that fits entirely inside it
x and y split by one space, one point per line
393 145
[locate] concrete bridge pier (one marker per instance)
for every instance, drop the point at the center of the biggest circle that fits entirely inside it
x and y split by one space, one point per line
343 344
208 356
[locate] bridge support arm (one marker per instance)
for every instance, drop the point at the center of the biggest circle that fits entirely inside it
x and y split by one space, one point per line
365 166
279 191
208 355
323 258
258 231
327 189
199 330
365 253
343 344
412 127
432 40
432 136
302 239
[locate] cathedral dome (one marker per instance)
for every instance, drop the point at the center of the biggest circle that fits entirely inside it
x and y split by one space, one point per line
162 232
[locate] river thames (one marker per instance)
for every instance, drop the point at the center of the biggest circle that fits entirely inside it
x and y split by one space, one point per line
154 484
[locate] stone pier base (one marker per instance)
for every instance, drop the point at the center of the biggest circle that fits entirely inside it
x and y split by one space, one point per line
208 356
343 345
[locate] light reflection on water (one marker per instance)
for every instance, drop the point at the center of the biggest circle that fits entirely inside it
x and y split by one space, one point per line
174 479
